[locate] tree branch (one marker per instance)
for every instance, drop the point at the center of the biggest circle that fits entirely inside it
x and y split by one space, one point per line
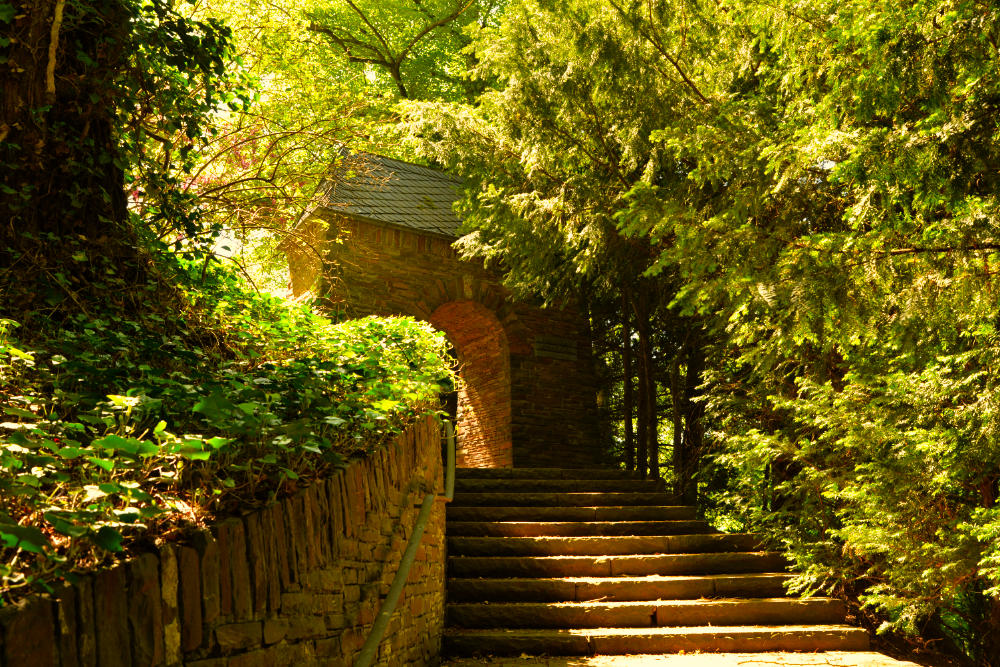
50 69
431 26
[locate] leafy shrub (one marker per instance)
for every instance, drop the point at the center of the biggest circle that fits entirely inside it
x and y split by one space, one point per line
118 429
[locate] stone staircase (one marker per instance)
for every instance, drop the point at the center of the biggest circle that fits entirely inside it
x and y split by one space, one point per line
593 562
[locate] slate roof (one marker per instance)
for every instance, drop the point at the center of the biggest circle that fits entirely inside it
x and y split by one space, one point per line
394 192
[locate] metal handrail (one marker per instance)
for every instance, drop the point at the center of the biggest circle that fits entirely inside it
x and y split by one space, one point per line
366 656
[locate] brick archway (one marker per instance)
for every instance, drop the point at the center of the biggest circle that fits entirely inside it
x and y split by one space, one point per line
484 406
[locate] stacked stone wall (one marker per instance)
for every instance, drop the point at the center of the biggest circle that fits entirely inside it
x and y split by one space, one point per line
297 583
535 404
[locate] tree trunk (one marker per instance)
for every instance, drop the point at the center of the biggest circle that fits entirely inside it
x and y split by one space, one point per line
64 193
677 417
693 427
56 123
642 419
628 399
652 444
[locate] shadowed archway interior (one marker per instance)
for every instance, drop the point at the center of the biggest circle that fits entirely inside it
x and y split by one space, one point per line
484 407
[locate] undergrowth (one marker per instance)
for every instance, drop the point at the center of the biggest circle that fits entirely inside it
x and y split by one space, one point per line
124 427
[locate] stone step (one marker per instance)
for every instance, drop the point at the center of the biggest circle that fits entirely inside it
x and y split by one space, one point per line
521 485
584 589
574 499
601 546
575 514
616 566
623 641
574 528
541 473
641 614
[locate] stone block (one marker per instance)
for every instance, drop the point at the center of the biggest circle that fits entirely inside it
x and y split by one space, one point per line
67 626
272 578
305 627
169 584
275 630
189 598
280 545
208 554
279 655
111 607
327 648
29 633
258 555
239 568
237 636
224 543
208 662
145 610
86 621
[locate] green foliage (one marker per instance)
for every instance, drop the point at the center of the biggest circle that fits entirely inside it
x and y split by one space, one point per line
119 429
406 49
817 182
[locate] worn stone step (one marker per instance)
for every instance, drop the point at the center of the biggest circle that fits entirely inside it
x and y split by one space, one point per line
692 659
574 528
601 546
583 589
574 499
640 614
607 513
616 566
623 641
523 485
541 473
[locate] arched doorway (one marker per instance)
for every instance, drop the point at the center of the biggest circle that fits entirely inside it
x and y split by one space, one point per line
484 407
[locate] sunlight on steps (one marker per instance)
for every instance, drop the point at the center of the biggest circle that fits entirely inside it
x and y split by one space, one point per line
589 566
827 659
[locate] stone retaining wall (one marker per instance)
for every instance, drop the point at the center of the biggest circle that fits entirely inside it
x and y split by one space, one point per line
297 583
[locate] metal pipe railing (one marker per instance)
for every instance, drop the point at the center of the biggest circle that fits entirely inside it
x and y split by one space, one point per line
369 650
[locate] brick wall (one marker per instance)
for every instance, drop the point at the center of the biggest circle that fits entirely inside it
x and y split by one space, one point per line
529 391
297 583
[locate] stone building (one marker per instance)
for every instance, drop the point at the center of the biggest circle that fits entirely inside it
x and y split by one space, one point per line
378 242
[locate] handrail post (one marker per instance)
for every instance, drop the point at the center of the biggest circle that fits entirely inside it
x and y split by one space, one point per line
449 476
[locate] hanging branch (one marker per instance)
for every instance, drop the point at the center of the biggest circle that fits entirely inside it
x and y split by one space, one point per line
50 68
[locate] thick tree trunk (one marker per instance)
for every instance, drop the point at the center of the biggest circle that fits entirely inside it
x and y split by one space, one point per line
63 193
56 123
628 398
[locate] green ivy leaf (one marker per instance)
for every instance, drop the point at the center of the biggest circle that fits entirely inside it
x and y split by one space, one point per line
108 538
23 537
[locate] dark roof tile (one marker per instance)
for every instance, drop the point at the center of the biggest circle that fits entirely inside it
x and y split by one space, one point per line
395 192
